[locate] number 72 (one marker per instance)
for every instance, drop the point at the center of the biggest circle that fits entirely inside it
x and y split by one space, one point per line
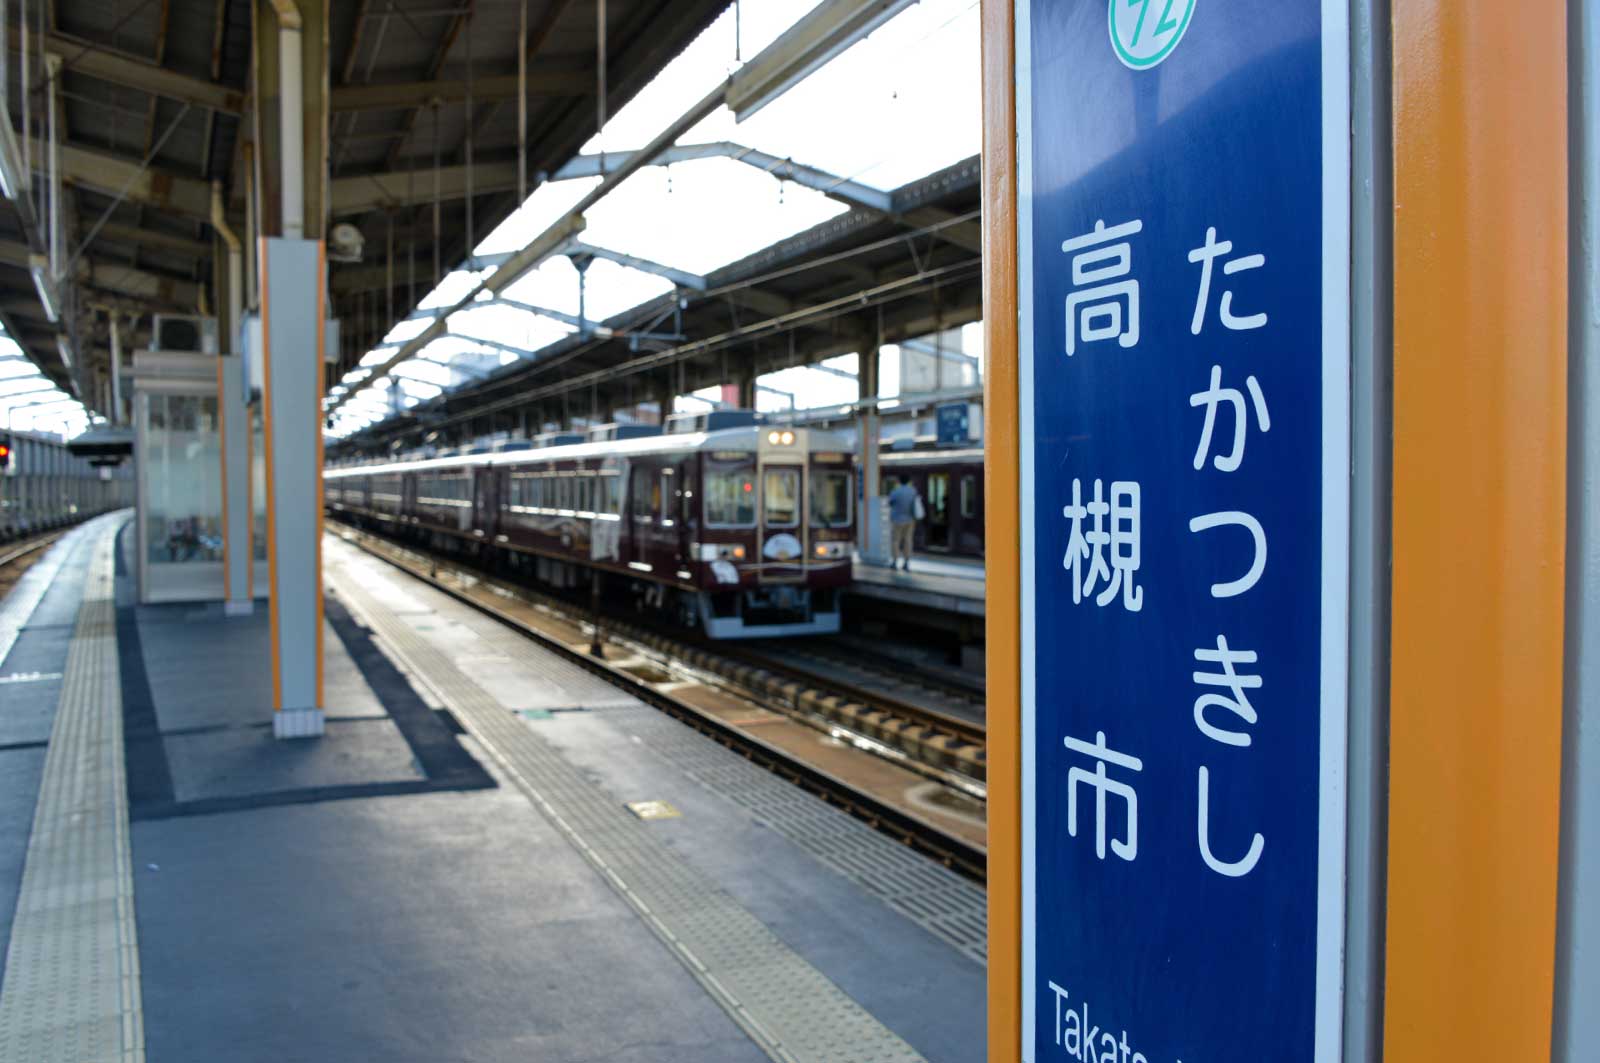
1166 24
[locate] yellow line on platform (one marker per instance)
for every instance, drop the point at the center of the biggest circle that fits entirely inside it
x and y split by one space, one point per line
71 991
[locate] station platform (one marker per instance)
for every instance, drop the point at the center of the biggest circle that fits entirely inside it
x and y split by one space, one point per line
942 584
451 873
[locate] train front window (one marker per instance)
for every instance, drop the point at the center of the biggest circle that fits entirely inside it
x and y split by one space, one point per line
830 498
730 493
781 497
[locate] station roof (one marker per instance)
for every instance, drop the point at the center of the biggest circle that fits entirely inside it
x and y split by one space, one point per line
842 213
153 102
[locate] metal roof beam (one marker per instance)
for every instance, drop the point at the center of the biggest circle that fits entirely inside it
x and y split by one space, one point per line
149 238
841 188
682 278
118 68
965 233
542 311
352 278
397 96
110 174
827 30
116 278
397 188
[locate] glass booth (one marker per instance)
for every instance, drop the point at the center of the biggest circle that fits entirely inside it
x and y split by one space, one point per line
179 456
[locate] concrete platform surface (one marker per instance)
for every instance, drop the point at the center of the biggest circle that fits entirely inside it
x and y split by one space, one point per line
401 889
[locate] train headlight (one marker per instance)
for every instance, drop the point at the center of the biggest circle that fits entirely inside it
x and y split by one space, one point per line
829 550
787 438
773 437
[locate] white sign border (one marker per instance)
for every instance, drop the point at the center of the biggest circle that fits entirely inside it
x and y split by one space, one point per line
1335 601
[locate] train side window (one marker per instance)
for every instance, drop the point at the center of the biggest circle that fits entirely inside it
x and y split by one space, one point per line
611 486
730 493
969 496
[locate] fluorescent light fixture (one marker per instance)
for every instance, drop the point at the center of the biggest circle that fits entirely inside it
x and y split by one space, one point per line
39 266
64 346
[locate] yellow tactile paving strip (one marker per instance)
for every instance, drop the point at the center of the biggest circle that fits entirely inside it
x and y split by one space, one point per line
71 990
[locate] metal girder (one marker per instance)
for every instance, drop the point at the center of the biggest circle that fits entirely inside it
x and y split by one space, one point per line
344 279
760 300
116 278
682 278
109 174
492 89
542 311
840 188
133 234
494 345
118 68
827 30
355 195
966 234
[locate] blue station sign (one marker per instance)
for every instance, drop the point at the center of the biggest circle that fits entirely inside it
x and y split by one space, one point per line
952 423
1183 180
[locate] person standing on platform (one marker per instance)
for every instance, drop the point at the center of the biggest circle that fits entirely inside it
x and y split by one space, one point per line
905 509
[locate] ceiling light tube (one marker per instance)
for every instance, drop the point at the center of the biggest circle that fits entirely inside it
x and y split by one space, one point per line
64 347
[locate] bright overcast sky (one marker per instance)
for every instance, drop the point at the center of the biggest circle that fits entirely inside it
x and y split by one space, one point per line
29 402
899 105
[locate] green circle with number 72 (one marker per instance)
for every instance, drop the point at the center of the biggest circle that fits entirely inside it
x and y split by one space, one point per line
1144 32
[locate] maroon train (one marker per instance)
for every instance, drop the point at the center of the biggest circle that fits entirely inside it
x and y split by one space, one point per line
951 485
743 531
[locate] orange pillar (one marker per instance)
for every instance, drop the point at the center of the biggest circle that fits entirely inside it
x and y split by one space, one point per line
1480 364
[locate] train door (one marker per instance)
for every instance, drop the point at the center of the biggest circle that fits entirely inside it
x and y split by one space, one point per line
938 503
782 534
485 502
687 525
969 531
641 520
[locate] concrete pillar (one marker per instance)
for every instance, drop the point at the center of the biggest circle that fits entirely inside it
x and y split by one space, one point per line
292 286
291 121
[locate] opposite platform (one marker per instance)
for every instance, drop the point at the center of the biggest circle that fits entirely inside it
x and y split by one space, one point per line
942 584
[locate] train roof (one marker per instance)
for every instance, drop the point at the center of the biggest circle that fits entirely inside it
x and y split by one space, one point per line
747 437
931 457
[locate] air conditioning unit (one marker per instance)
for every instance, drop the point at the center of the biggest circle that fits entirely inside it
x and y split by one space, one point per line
190 333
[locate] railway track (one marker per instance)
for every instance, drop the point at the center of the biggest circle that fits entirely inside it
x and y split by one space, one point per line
10 555
912 686
509 605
